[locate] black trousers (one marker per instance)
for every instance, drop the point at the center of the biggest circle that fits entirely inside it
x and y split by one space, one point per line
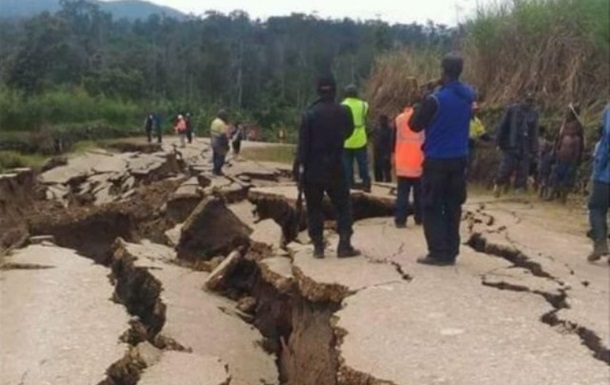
383 168
338 192
189 135
517 163
236 146
444 193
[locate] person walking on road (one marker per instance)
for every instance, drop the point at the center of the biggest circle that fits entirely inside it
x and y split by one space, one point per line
518 140
189 128
219 136
236 138
324 127
382 150
356 144
408 161
148 126
445 116
599 201
180 129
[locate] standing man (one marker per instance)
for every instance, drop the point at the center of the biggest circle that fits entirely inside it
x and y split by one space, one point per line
599 201
568 153
382 149
408 160
148 126
518 140
219 137
355 145
236 138
189 128
445 115
324 127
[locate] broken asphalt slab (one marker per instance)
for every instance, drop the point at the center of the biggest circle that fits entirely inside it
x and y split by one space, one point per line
332 279
210 230
186 369
202 322
58 325
447 329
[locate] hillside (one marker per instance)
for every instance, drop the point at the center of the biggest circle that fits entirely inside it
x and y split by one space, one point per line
130 9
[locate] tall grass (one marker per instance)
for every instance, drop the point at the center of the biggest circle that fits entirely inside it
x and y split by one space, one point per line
64 106
558 49
397 78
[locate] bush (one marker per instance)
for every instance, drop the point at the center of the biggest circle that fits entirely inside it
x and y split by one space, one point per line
557 48
63 107
13 159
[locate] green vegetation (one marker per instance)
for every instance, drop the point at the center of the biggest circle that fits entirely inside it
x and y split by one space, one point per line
79 65
560 49
276 153
13 159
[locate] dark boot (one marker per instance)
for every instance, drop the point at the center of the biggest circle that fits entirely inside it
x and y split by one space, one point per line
366 187
318 250
346 250
600 249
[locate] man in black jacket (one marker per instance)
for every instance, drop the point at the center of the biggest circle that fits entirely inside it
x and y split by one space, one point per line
324 128
517 138
382 148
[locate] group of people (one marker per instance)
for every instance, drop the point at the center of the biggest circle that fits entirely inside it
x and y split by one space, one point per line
223 135
431 145
526 151
430 152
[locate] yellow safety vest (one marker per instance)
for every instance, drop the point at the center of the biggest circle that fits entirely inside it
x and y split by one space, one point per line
359 110
476 128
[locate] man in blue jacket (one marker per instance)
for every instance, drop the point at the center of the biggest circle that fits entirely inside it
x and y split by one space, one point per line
599 201
445 115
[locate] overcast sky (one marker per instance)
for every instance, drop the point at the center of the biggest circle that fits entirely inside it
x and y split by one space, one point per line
395 11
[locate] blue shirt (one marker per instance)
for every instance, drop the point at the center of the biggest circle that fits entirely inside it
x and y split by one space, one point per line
445 115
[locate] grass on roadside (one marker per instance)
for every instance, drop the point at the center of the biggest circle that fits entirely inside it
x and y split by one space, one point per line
277 153
14 159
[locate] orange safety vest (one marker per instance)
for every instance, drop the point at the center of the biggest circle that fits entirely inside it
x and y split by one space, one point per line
409 155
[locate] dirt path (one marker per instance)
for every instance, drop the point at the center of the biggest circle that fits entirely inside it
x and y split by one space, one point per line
521 307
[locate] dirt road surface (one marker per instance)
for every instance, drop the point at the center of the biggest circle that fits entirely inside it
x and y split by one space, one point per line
105 280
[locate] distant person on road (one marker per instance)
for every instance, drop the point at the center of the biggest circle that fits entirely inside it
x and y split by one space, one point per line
599 201
445 116
382 150
408 162
189 127
568 153
180 129
325 126
236 138
158 130
148 126
281 135
356 144
219 136
517 138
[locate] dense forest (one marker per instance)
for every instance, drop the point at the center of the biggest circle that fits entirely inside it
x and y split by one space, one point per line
80 64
